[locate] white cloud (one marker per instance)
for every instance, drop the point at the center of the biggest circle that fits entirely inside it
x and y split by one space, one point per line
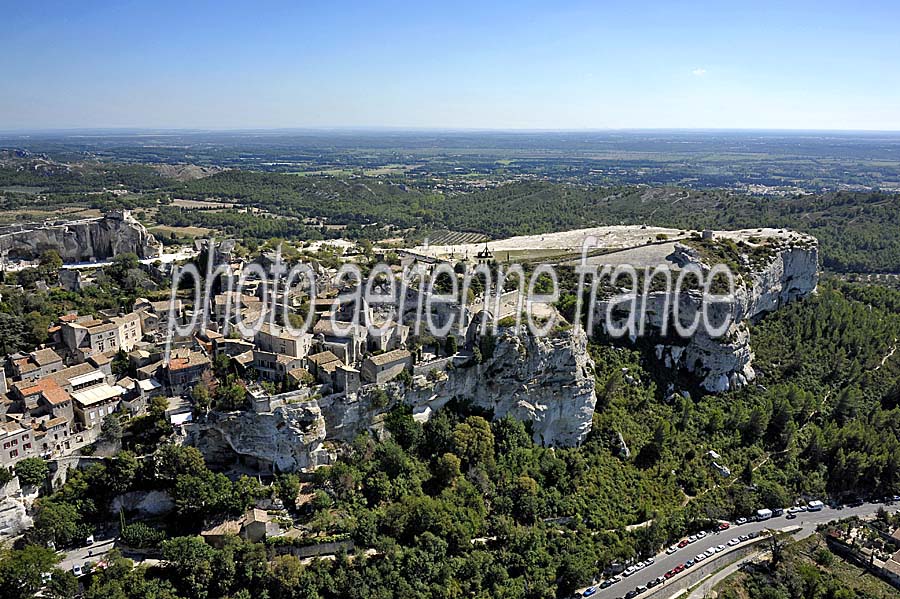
699 72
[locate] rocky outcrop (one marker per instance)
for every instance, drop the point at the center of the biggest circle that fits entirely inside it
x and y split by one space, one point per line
546 381
785 270
14 517
83 240
288 438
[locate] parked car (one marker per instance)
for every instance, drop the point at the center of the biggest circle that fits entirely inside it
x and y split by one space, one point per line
740 521
589 591
734 542
684 543
724 526
77 571
692 539
672 549
701 534
720 548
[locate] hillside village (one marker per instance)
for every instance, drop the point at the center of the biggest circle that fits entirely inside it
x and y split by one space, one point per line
55 398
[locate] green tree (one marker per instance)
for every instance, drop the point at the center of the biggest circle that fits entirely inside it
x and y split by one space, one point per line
121 472
110 431
191 560
287 486
172 461
32 471
474 441
20 571
56 522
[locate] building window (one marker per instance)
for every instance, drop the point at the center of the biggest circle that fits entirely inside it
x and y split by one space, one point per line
14 453
26 446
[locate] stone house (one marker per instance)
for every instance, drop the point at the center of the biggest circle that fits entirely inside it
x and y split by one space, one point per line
381 368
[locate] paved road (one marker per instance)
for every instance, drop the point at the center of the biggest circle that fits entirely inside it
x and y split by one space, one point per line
807 521
80 555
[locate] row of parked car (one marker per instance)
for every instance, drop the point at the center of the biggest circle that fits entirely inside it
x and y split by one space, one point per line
635 568
761 515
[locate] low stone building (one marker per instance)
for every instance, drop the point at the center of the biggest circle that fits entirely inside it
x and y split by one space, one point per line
36 365
185 369
254 526
382 368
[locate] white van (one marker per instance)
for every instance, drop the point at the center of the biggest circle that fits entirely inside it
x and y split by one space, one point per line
763 514
815 506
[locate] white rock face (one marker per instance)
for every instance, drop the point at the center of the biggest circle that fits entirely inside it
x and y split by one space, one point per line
14 518
547 381
144 503
289 438
83 240
725 362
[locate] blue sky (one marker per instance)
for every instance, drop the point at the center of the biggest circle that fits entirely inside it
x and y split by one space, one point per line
497 65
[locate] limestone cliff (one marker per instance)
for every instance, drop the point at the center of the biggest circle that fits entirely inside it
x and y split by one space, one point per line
287 438
546 381
775 267
82 240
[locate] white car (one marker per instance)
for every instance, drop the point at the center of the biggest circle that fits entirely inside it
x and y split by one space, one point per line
699 557
77 571
629 571
692 539
710 552
734 542
649 561
701 534
672 549
720 548
740 521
